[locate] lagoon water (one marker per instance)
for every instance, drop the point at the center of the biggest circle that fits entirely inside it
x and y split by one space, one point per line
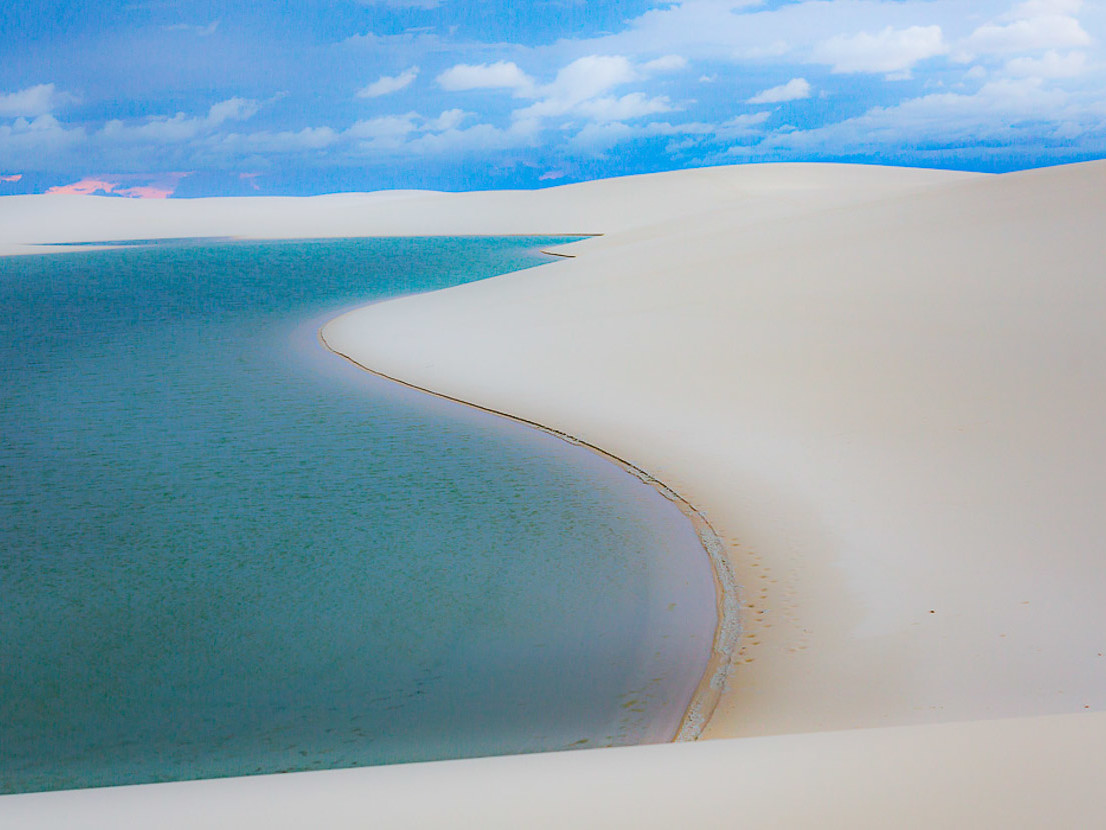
225 551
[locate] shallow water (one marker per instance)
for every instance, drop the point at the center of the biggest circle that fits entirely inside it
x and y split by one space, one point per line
225 551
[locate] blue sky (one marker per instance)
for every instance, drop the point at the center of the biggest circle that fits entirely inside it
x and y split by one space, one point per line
211 97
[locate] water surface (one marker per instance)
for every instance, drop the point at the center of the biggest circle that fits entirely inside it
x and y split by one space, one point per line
225 551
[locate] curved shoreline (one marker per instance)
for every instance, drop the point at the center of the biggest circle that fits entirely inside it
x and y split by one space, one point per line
727 630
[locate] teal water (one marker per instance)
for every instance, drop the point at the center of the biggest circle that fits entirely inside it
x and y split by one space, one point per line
224 551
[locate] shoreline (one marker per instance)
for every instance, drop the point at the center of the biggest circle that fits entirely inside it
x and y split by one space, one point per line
47 248
710 687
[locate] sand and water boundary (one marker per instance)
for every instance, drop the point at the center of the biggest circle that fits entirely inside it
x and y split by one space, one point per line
727 632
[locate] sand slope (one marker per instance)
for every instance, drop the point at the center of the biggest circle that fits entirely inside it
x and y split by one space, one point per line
1027 773
893 411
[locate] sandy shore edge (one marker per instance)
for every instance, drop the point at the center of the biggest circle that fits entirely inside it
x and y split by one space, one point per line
708 692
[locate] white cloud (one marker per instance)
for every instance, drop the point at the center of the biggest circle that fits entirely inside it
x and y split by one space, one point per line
180 127
668 63
582 81
774 49
694 28
890 50
596 138
289 141
386 131
388 136
582 87
741 126
793 90
448 120
1049 65
1003 110
27 142
498 75
405 43
753 30
387 84
1031 26
162 129
588 77
632 105
413 134
33 101
42 124
479 138
1047 31
1032 8
598 92
233 109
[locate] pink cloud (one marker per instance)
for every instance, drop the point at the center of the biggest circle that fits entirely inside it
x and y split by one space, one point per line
14 177
147 192
161 187
251 178
84 187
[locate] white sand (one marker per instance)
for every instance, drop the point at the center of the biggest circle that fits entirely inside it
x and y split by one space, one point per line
883 387
1027 773
605 206
893 412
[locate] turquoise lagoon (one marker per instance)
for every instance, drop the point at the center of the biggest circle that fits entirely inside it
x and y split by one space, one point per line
225 551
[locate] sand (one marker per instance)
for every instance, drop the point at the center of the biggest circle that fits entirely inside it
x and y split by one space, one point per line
606 206
883 389
1030 772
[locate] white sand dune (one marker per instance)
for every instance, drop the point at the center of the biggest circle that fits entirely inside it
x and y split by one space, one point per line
892 411
605 206
1026 773
883 387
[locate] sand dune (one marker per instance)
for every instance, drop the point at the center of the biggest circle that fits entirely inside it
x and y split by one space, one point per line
883 387
892 411
1026 773
605 206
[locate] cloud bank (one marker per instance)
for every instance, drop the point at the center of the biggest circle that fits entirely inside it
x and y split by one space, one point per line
432 94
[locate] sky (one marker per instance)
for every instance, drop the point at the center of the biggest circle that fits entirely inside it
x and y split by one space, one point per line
159 98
